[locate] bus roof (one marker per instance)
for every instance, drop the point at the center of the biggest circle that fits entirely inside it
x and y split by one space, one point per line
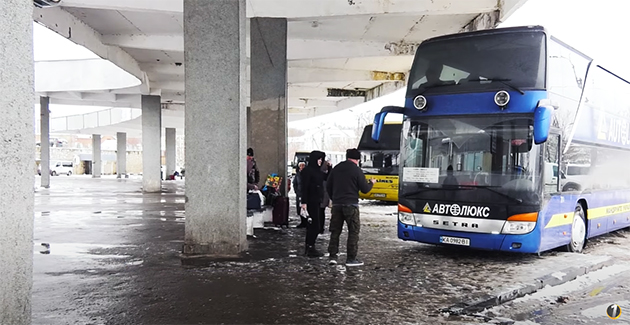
534 28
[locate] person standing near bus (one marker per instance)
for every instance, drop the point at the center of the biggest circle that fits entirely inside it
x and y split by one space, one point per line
326 169
312 197
297 188
343 185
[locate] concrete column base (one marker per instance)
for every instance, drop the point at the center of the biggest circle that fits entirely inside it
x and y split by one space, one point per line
216 250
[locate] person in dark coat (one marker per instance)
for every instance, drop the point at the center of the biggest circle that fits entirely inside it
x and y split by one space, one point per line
297 188
326 168
312 197
253 174
343 186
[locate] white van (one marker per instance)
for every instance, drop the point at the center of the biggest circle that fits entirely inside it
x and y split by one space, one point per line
61 167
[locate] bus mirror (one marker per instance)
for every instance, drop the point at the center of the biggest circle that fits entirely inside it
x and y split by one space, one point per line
542 123
379 120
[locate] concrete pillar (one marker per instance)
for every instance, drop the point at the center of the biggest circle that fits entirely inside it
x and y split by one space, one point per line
171 150
121 154
269 96
96 156
214 35
151 143
18 161
44 140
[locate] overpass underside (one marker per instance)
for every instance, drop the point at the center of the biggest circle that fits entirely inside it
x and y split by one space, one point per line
220 124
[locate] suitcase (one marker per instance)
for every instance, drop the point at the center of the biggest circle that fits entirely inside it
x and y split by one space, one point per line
281 211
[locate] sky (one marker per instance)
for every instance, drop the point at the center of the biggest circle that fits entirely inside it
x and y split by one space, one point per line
596 28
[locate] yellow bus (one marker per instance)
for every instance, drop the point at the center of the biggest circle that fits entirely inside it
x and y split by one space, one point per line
379 160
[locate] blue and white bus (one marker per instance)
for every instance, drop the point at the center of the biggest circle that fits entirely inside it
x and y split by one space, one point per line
492 121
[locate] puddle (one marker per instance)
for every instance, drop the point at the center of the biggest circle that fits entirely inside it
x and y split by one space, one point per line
76 250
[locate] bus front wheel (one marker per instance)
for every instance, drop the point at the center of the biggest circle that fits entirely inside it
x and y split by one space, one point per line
578 231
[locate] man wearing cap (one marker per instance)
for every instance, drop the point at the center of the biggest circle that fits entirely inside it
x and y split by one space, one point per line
343 186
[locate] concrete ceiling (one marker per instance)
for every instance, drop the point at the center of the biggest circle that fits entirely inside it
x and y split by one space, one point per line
345 44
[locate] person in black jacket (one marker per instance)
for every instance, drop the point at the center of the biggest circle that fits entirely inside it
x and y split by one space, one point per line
343 185
312 196
326 169
297 188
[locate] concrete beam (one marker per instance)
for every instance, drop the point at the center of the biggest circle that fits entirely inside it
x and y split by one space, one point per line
315 75
174 86
305 8
308 75
483 21
317 103
158 6
330 8
74 29
308 49
383 89
79 102
306 92
163 68
297 49
161 42
169 96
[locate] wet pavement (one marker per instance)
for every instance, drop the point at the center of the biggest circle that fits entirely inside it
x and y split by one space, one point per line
111 255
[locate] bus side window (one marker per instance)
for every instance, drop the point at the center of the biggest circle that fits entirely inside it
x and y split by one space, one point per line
550 161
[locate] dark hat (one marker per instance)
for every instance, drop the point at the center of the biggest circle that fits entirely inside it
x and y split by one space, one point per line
250 152
353 154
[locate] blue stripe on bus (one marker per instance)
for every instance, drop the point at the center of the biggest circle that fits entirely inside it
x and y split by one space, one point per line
476 103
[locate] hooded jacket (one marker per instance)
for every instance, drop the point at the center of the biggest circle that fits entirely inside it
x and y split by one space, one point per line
312 179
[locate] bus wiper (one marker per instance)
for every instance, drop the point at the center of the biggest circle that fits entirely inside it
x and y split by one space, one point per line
503 81
434 86
448 187
501 193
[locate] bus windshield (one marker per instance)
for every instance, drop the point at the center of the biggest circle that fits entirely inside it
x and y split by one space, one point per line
492 152
380 157
481 63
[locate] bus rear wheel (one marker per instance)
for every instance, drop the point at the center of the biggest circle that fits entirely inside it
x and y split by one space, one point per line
578 231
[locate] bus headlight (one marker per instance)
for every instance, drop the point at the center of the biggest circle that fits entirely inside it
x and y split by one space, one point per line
518 227
407 218
420 102
501 98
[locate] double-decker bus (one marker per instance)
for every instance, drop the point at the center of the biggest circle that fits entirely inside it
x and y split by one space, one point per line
490 118
379 160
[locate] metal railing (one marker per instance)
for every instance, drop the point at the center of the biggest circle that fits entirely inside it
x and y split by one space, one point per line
105 117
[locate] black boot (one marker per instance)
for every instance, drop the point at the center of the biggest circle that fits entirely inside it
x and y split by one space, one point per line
311 251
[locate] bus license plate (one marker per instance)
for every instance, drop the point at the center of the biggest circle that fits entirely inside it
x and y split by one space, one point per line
455 241
380 195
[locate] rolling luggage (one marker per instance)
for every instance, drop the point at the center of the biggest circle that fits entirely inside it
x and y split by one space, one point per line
281 211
